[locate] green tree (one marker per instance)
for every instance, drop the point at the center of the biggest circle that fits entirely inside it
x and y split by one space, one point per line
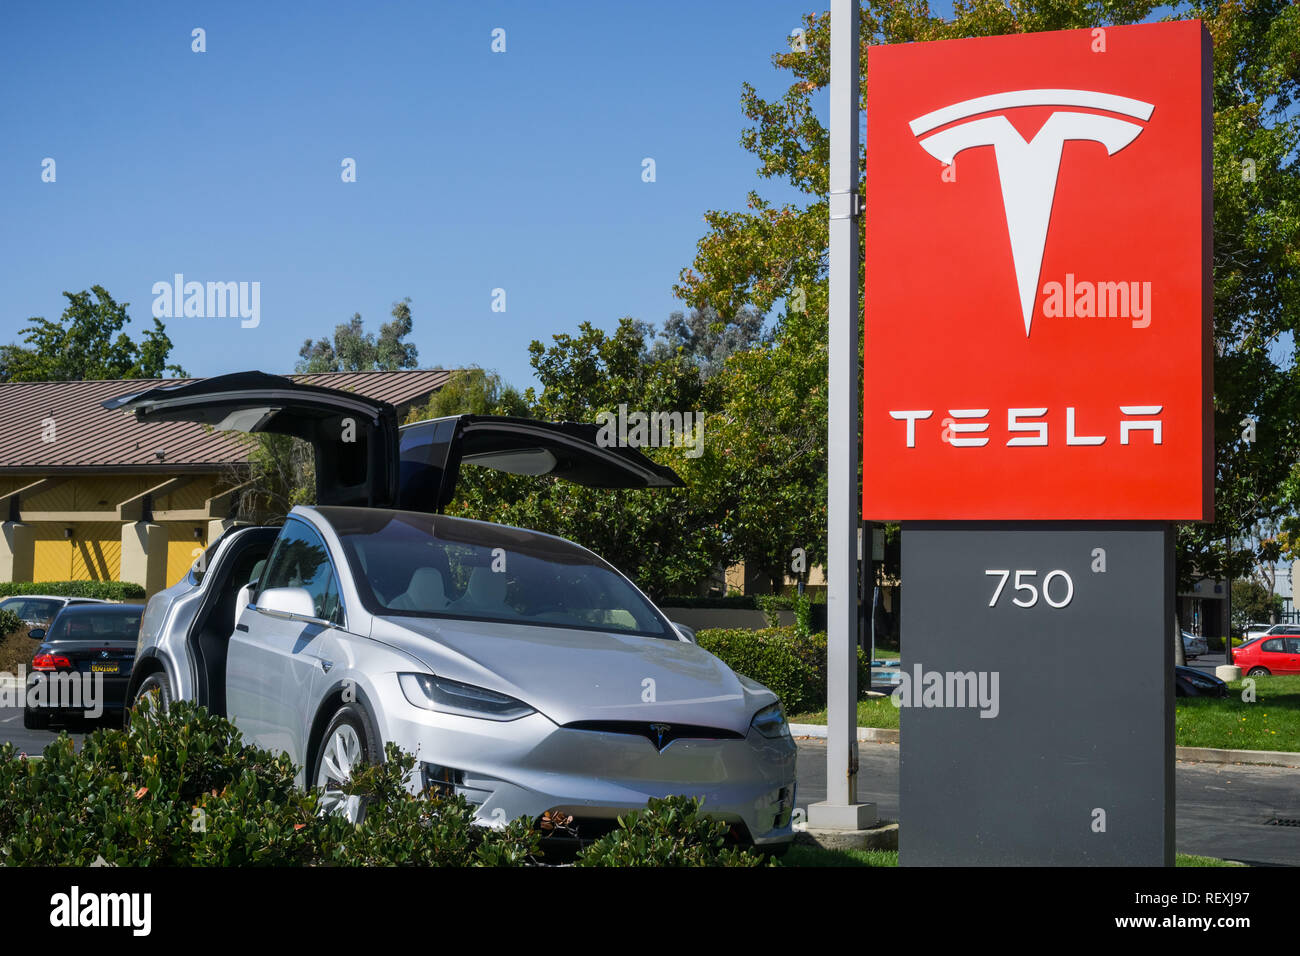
1252 603
667 540
472 391
355 350
85 343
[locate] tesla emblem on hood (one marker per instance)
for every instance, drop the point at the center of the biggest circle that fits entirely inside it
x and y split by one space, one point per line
1028 170
661 731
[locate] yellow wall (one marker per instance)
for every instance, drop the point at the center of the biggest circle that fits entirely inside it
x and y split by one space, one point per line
93 553
182 548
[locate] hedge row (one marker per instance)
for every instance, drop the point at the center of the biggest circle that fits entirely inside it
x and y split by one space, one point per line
788 662
181 789
106 590
743 602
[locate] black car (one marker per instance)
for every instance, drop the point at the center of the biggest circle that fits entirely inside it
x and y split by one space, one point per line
1189 682
83 664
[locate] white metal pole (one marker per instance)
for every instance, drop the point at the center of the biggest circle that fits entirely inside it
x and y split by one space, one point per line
841 809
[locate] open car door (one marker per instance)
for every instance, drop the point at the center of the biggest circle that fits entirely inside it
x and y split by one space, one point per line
354 438
432 453
363 459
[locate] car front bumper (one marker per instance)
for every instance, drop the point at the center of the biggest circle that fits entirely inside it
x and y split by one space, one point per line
529 766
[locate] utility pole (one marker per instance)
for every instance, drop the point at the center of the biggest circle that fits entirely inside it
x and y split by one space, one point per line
841 809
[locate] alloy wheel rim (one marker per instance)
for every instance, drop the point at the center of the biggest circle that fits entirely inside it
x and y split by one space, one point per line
341 755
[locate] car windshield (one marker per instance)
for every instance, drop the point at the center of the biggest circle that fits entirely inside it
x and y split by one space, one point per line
434 566
116 624
33 609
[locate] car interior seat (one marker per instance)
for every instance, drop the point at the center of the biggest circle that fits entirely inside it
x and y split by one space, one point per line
425 592
485 592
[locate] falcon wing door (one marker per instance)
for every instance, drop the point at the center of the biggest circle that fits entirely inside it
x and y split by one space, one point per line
432 453
354 438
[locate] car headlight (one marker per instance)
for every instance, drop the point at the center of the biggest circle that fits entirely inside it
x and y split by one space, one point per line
466 700
1200 680
770 722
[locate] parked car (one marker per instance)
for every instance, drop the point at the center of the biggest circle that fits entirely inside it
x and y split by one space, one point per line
1268 655
1255 630
526 673
1194 645
1189 682
83 663
1282 629
39 609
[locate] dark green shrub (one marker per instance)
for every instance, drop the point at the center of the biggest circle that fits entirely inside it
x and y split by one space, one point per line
773 658
791 665
748 602
669 832
105 590
180 789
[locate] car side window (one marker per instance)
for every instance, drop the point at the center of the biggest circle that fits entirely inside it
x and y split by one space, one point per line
1293 645
1273 646
301 560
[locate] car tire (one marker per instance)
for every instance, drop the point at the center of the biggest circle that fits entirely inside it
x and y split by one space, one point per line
350 741
155 683
1258 672
35 720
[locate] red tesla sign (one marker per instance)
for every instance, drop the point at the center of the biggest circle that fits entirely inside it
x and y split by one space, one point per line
1038 277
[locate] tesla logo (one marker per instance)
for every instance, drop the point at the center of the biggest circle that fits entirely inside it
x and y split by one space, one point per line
661 731
1028 169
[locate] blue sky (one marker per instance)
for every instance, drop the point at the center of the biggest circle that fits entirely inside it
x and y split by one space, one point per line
475 170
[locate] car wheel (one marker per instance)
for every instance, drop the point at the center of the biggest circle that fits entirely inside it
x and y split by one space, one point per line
348 744
1258 672
157 688
35 719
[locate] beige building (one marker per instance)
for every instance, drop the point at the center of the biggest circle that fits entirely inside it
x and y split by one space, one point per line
91 494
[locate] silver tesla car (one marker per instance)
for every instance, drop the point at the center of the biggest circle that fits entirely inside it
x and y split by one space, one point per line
524 672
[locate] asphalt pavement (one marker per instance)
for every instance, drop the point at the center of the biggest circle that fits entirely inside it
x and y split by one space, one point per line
1222 810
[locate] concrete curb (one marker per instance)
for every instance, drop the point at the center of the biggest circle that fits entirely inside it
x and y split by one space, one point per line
870 735
1263 758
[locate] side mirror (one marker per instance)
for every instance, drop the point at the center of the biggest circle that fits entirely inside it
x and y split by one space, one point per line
37 634
687 633
287 602
245 597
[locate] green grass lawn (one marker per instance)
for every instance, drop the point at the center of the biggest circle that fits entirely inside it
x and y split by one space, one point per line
873 712
816 856
1272 722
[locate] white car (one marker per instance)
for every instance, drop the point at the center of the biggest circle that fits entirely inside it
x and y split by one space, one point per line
1194 645
525 673
39 609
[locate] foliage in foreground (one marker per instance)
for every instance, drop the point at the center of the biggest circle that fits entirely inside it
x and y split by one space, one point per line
181 789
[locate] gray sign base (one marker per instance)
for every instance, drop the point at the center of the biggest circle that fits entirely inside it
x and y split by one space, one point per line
1037 725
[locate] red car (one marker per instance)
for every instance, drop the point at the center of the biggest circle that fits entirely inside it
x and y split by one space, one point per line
1269 655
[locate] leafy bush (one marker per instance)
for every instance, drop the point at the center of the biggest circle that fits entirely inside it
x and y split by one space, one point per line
669 832
105 590
747 602
9 623
791 665
180 788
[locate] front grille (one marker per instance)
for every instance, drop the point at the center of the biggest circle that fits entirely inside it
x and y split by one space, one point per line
1284 822
661 734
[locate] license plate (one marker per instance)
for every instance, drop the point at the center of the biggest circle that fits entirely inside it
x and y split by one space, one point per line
104 668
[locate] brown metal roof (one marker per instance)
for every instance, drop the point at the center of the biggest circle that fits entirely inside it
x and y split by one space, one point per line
91 438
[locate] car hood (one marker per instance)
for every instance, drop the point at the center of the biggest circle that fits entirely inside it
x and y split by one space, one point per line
578 675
